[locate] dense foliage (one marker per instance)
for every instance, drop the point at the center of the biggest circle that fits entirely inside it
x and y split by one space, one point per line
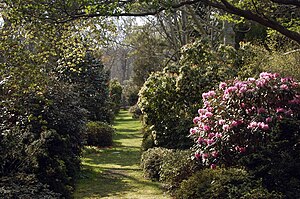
176 167
41 134
168 166
91 81
223 183
152 160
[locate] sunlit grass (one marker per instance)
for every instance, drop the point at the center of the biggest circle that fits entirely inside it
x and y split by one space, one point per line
114 172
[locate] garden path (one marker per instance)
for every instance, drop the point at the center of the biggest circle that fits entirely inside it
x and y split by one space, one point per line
114 173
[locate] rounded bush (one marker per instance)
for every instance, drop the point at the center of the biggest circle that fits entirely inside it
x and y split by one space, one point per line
99 134
152 160
176 167
223 184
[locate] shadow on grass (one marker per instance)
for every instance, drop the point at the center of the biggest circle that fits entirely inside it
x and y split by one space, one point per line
129 135
104 183
127 157
123 130
113 171
109 182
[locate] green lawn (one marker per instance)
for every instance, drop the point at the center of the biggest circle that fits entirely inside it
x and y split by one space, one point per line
115 172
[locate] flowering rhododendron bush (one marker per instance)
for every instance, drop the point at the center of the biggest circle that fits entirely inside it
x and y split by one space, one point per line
170 99
240 117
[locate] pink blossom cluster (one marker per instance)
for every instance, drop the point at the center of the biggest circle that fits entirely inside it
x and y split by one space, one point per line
241 114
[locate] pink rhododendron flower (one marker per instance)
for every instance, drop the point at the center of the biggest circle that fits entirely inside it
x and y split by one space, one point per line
208 114
294 84
210 109
206 103
284 87
213 166
214 154
275 75
196 120
261 83
251 79
205 96
261 110
241 115
197 155
202 111
286 79
240 149
211 135
231 89
206 128
218 135
222 85
212 93
221 122
208 94
268 119
289 112
243 89
209 141
205 155
280 110
234 123
200 140
202 117
252 125
266 75
193 131
263 126
225 127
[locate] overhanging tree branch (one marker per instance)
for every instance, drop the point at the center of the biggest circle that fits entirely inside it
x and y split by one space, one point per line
220 4
288 2
247 14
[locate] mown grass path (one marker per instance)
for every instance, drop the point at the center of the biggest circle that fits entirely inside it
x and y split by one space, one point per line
115 172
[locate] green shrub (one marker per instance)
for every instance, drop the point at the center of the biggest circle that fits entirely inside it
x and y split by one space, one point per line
254 59
151 162
223 184
99 134
176 167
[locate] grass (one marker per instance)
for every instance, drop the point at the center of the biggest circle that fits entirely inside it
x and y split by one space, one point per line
115 172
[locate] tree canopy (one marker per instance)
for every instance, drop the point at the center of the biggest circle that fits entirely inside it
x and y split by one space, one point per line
279 15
